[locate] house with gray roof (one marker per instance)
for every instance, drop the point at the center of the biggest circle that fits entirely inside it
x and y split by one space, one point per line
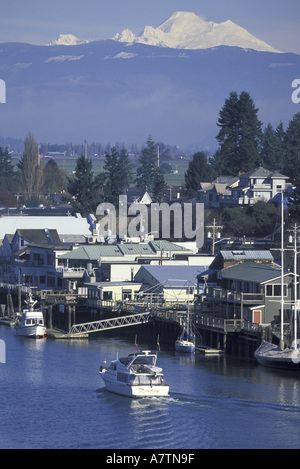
218 193
259 185
231 257
30 256
246 189
249 291
175 284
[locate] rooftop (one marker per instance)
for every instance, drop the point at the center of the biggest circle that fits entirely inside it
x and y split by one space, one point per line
95 252
251 272
176 275
261 172
63 225
238 255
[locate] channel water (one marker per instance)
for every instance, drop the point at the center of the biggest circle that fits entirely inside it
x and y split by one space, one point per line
52 396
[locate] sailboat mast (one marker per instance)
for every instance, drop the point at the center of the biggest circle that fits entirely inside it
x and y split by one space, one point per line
295 347
282 275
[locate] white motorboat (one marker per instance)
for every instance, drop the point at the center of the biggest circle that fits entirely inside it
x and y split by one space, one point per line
135 376
31 322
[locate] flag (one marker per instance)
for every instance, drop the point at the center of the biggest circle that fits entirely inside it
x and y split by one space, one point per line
136 345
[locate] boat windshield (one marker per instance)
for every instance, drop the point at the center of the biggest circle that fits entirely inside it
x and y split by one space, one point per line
139 360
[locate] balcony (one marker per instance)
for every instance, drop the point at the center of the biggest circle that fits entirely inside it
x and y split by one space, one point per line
70 273
236 297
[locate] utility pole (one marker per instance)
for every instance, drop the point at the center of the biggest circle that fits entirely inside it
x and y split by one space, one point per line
214 227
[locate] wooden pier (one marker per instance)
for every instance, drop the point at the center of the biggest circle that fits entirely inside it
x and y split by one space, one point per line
218 335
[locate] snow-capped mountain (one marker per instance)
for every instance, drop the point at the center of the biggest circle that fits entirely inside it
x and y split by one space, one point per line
185 30
67 40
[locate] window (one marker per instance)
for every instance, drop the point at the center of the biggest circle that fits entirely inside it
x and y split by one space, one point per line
123 378
275 290
127 295
107 295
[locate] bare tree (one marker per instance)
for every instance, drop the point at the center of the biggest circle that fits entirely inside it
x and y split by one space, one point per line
31 175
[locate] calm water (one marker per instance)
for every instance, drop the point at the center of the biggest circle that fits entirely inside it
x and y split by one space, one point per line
51 396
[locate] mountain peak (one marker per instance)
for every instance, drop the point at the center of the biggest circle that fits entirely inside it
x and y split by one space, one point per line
186 30
67 40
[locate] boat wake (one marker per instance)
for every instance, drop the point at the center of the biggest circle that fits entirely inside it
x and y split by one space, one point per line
150 420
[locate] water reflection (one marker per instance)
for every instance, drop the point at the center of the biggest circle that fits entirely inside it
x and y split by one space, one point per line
32 361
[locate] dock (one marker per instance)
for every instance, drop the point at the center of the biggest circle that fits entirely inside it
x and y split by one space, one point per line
7 321
57 334
209 351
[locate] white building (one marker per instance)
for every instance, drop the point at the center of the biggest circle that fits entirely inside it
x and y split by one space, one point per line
246 189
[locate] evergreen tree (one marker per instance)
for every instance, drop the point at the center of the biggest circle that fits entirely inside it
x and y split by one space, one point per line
149 177
291 166
272 147
239 135
294 201
7 181
31 177
84 187
112 176
291 156
117 174
55 179
160 188
199 170
147 171
125 169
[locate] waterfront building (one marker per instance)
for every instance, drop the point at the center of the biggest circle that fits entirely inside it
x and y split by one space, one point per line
101 294
170 284
48 261
249 291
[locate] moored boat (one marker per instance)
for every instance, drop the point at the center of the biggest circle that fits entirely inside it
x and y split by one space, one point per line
182 345
271 356
31 322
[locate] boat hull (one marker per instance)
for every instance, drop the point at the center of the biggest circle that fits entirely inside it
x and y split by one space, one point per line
185 346
137 391
35 332
271 356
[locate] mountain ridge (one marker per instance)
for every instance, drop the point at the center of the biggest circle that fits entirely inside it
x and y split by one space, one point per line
113 91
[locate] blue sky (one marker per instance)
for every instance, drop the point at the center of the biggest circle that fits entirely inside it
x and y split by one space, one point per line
41 21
